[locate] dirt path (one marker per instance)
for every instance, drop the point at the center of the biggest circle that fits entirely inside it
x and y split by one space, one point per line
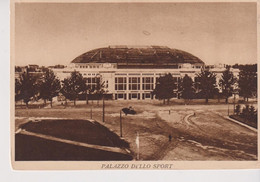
207 135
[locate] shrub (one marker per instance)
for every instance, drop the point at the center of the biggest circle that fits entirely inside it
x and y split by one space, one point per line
245 112
237 109
249 113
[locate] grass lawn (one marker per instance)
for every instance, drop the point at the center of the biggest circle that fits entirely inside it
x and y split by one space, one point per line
30 148
245 121
77 130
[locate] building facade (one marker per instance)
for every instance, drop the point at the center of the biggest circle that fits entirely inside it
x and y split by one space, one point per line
131 72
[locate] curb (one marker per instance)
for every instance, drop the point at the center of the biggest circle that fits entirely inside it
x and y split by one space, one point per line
242 124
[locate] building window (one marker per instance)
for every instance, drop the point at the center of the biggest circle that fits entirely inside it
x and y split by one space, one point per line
134 96
120 74
134 83
92 82
120 83
157 79
120 96
147 74
134 74
146 96
147 83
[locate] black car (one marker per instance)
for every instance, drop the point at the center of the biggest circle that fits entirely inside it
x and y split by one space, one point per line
129 110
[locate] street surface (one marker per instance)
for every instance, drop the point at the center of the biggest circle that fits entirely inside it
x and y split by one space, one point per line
208 134
199 131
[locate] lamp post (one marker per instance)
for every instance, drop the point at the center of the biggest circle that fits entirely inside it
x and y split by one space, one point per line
234 103
228 108
126 111
121 133
103 119
91 109
103 98
137 136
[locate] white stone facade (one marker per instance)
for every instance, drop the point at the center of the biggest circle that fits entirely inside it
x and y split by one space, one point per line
132 83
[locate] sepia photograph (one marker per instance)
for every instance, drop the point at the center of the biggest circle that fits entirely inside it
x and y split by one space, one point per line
134 85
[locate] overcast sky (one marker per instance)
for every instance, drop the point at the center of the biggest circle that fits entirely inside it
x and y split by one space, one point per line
56 33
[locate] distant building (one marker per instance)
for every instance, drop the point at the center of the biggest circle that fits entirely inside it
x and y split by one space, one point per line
33 66
59 66
31 69
130 72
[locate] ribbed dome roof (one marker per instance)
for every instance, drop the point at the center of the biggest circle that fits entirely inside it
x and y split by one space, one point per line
156 55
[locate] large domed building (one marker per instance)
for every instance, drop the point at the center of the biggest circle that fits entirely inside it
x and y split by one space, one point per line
131 57
130 72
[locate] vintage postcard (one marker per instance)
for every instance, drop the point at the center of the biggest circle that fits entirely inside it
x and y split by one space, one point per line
154 85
